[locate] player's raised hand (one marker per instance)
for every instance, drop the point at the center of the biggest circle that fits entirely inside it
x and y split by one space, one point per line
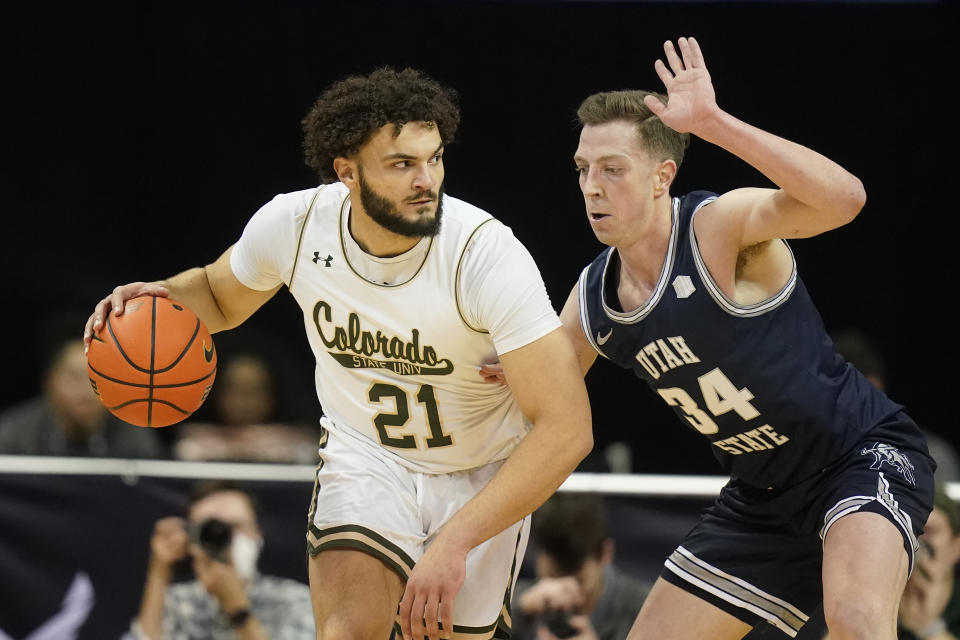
431 589
691 101
114 303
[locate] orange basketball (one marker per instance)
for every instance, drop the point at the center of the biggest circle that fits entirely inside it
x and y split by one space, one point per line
153 365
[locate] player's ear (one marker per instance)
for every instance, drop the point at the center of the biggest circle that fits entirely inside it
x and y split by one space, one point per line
663 177
346 170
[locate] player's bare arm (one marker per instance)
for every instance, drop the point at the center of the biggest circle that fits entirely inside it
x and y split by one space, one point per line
815 194
544 379
212 292
570 317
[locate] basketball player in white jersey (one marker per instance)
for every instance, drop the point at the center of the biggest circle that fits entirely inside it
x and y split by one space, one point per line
427 474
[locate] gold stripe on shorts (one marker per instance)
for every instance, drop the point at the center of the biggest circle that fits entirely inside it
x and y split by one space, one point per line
360 538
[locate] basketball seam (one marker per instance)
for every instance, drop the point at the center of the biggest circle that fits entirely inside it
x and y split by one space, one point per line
144 386
136 400
153 351
120 348
153 373
151 370
196 330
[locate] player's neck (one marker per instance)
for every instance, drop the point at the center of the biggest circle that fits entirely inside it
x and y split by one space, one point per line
373 238
643 256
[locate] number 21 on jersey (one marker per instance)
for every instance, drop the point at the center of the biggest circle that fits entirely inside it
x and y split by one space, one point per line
397 419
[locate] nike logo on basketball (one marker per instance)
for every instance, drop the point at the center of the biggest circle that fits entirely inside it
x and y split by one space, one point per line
602 340
207 353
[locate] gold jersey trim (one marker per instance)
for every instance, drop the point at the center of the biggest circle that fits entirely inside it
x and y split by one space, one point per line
456 281
303 228
346 257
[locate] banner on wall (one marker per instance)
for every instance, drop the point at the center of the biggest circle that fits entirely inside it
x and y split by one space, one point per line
75 534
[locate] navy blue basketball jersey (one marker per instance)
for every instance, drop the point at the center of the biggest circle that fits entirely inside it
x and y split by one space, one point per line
762 382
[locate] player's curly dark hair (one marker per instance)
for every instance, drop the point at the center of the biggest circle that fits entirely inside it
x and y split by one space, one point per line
350 111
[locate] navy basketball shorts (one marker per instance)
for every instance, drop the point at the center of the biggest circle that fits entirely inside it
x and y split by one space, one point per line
757 553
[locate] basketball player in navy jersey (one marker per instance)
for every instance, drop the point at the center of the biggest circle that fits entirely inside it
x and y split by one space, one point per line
831 482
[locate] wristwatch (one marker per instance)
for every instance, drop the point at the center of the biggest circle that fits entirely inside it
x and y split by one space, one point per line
239 617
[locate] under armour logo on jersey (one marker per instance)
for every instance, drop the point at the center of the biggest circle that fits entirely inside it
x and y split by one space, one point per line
884 453
683 285
326 261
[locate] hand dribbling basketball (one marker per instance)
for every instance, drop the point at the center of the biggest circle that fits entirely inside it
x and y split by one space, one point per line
154 364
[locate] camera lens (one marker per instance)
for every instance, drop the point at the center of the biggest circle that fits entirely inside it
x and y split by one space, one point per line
556 622
214 537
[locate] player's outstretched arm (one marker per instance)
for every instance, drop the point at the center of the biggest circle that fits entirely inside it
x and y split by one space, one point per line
213 293
545 379
815 195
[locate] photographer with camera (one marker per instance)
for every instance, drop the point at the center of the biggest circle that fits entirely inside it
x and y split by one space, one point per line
930 606
578 592
228 599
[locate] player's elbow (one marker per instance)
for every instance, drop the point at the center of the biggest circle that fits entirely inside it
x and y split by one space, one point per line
852 202
567 434
585 444
581 440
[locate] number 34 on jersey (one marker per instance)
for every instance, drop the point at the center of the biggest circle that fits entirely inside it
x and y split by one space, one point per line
721 396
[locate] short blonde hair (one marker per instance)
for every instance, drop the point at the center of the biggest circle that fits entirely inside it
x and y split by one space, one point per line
657 139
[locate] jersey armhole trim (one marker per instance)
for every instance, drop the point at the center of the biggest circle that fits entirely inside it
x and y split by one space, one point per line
725 303
584 315
456 280
303 228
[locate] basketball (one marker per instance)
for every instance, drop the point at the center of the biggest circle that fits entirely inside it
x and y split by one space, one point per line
153 365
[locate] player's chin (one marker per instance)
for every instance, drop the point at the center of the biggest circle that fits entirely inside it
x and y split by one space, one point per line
428 210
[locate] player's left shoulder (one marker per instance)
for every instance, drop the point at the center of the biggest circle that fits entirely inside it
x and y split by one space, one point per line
470 226
694 201
462 214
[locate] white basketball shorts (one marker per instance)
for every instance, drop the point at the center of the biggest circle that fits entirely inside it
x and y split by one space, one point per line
364 501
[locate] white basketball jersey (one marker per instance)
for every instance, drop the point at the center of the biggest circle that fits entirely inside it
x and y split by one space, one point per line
398 340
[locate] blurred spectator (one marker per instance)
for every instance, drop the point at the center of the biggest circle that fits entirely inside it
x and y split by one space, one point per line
242 423
228 598
859 351
615 457
578 592
67 418
930 607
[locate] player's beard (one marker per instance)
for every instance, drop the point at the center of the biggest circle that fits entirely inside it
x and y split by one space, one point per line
385 213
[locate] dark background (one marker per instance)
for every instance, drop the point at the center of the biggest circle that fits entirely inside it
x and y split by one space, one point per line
140 137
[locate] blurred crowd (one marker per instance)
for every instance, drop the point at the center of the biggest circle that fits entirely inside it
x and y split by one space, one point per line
256 412
260 410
